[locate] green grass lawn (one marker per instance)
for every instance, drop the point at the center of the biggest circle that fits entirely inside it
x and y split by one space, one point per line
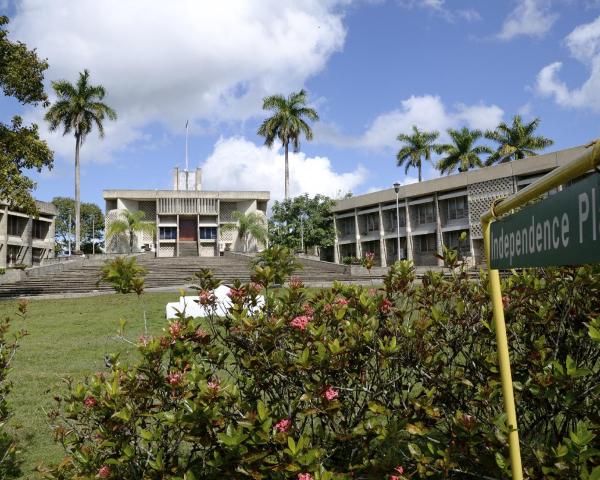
68 338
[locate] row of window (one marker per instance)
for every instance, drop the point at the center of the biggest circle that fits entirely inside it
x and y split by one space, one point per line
16 225
428 243
205 233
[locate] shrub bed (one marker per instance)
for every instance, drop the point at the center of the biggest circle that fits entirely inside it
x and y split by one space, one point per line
399 382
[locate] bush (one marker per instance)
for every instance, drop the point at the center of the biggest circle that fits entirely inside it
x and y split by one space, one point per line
8 347
276 264
124 274
351 383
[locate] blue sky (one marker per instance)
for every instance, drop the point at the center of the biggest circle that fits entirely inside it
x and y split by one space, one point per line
372 69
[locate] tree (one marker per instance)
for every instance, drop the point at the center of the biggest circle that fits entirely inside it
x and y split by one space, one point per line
516 141
248 225
79 107
92 222
417 146
128 224
21 149
302 220
287 124
462 153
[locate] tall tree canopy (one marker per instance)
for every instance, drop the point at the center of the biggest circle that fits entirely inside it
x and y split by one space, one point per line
77 110
300 217
516 141
21 77
92 223
287 124
462 153
416 146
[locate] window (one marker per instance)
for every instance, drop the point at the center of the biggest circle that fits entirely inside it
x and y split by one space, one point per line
15 225
427 243
40 229
391 220
373 222
457 208
346 227
168 233
452 240
208 233
425 213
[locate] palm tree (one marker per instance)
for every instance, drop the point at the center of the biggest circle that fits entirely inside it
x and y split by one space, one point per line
248 225
78 108
417 146
130 223
287 124
516 141
462 153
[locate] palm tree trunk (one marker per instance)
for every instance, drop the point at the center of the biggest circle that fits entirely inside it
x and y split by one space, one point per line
131 234
419 167
77 196
287 171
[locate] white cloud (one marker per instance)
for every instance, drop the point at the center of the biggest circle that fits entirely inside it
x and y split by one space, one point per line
164 62
584 45
439 7
238 164
530 17
427 112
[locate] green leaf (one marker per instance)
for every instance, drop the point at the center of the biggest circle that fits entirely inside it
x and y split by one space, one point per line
262 411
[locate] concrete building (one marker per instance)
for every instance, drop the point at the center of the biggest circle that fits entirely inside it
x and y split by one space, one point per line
433 213
189 220
25 240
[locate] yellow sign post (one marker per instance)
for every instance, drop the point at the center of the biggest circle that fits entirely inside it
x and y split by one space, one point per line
588 160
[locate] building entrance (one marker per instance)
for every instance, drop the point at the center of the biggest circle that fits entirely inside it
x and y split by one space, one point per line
187 230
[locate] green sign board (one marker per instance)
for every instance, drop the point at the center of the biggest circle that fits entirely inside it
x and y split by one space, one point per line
563 229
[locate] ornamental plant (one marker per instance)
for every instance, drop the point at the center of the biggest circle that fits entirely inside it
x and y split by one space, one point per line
124 275
394 382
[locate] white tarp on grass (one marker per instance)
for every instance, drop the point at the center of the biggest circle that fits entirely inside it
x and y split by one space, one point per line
191 308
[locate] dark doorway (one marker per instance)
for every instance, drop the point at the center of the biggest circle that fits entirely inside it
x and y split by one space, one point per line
187 229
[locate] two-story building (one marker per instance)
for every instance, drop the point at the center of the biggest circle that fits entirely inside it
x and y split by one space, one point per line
420 218
189 221
25 240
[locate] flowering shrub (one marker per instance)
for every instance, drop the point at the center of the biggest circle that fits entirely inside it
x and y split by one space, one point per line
395 383
8 347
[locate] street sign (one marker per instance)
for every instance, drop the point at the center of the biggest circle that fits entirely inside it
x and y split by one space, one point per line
563 229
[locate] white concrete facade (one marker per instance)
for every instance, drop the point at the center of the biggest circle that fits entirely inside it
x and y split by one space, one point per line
433 213
189 221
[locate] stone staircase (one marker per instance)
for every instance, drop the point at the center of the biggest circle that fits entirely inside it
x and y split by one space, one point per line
188 249
163 272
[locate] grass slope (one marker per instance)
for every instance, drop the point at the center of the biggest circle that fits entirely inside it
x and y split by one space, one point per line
68 338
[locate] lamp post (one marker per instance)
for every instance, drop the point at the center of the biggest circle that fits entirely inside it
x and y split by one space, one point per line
397 190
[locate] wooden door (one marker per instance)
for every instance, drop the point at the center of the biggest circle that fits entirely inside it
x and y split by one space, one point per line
187 230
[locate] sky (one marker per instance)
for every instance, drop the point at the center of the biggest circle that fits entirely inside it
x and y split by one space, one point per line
372 69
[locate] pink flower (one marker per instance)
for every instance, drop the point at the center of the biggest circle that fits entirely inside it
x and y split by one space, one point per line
300 322
201 333
399 469
175 378
394 477
331 394
104 471
505 301
308 309
255 288
90 402
328 308
175 329
206 297
386 306
341 302
283 425
237 294
144 340
305 476
295 283
214 386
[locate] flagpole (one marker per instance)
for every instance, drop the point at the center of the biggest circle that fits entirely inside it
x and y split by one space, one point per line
186 145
